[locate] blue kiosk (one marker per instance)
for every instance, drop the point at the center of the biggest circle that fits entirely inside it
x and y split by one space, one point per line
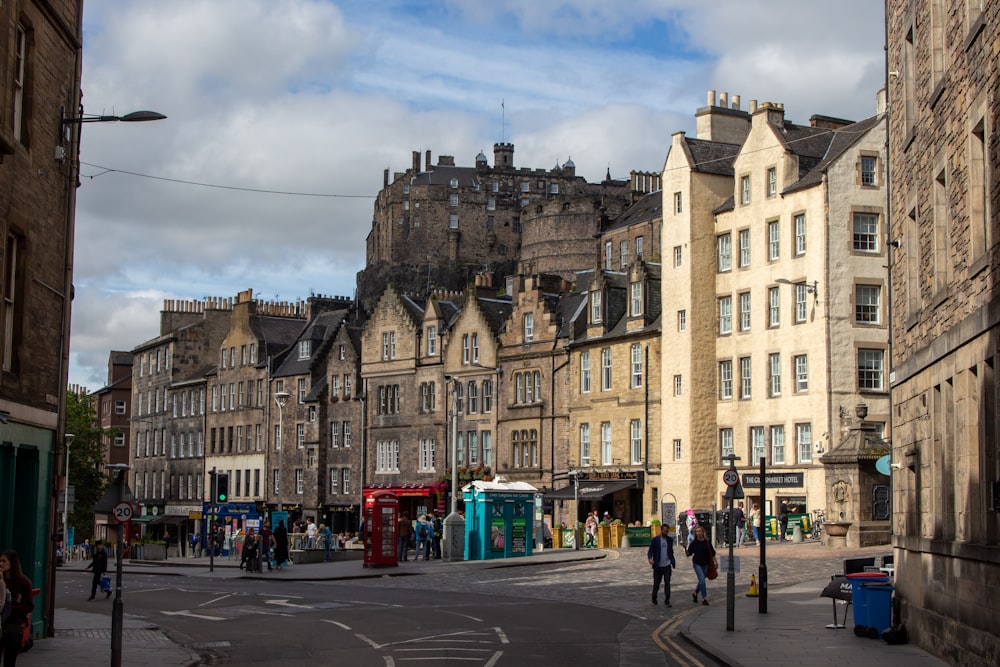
499 519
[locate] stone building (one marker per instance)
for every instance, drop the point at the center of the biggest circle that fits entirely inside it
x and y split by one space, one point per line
945 212
40 63
785 223
113 408
449 221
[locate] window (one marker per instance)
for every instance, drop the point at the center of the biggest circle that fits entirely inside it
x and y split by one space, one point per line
475 348
773 240
431 341
756 444
465 345
585 372
427 455
301 390
865 232
623 254
334 386
595 307
772 181
334 481
529 327
868 176
473 392
347 434
801 363
678 203
745 311
678 257
334 435
726 379
725 315
636 299
774 373
305 349
777 444
300 436
870 369
773 307
607 255
638 246
584 444
487 439
347 386
276 483
635 441
525 186
744 190
682 320
387 456
803 438
725 444
605 443
724 243
119 407
385 346
487 396
299 481
554 188
472 437
744 248
606 369
867 309
801 291
20 67
800 234
746 385
453 201
678 385
636 365
678 450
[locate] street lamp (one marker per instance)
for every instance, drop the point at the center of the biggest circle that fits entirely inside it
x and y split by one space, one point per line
68 439
280 398
454 523
810 289
575 474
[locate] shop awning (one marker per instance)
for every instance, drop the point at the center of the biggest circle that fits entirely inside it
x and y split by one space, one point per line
591 489
173 519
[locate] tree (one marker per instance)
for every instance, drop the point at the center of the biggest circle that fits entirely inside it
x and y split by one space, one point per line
85 462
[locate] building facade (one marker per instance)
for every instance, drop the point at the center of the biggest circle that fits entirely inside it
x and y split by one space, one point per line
113 408
945 212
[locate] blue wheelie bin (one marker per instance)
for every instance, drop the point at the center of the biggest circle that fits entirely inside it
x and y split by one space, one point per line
859 598
879 604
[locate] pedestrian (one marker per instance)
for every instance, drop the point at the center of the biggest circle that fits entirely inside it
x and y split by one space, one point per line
438 533
99 564
691 523
21 607
329 544
248 556
701 552
423 538
266 540
741 524
194 545
782 520
279 539
404 530
755 522
311 532
661 558
590 525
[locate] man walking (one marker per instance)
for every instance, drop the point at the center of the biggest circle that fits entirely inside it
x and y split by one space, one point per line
404 531
99 564
782 520
661 558
741 524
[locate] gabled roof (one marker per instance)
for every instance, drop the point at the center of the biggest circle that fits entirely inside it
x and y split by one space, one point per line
712 157
497 311
442 175
837 142
649 207
119 358
323 327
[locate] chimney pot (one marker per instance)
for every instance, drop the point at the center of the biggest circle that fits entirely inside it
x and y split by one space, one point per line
723 100
753 106
736 102
711 98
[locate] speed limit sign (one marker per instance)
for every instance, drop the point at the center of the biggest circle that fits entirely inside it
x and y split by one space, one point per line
731 477
124 511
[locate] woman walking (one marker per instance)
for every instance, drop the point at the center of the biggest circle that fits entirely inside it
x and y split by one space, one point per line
701 552
21 606
280 539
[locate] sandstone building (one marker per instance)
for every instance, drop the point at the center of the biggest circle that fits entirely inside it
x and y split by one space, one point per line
944 89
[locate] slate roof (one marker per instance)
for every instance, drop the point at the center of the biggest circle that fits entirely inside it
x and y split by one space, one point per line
837 143
320 329
649 207
119 358
712 157
442 175
276 335
497 311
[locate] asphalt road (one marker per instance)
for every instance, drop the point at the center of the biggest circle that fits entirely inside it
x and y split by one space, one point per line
441 619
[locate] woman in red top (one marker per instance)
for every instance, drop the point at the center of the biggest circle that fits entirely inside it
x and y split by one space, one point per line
21 606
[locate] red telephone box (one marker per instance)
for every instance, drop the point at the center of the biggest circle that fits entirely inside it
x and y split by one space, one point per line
381 517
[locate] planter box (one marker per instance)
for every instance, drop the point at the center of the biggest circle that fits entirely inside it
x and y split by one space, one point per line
566 540
154 552
639 536
604 537
617 532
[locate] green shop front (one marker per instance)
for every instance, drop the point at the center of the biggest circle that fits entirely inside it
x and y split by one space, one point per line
499 519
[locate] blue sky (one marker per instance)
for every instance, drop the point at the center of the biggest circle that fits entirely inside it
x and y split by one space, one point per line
320 96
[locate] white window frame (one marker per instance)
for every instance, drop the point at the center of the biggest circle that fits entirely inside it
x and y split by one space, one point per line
746 378
773 307
636 300
529 327
726 446
868 304
773 241
606 377
744 240
636 354
774 374
745 312
585 372
606 444
635 441
725 379
725 315
724 248
800 234
778 444
804 442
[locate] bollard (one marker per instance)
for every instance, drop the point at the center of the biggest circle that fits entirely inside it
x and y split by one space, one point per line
626 543
796 533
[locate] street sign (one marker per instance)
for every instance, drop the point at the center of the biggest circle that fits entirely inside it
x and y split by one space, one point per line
668 514
725 564
123 511
731 477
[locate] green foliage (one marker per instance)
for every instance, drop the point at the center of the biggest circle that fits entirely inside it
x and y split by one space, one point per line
85 461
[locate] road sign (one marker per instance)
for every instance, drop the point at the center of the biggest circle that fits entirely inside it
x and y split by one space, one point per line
123 511
668 514
731 477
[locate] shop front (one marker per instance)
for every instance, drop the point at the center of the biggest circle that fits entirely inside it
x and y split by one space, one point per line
619 494
340 517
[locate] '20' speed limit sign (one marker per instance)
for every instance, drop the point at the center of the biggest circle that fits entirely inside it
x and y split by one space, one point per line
124 511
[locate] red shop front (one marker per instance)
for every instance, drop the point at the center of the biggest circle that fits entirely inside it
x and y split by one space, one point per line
414 499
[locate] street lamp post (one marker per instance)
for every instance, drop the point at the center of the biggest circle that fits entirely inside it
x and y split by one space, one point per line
575 474
280 398
68 439
454 523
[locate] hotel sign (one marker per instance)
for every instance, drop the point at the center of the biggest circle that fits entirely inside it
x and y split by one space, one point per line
613 475
775 479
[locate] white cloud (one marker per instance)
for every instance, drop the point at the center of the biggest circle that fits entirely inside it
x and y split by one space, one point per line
316 96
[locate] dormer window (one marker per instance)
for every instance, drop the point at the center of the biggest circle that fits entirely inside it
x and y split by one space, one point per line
595 307
305 349
636 299
432 341
454 183
529 327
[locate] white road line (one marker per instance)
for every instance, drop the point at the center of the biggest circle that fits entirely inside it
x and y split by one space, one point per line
450 648
193 615
221 597
492 661
389 662
446 611
374 645
502 635
337 623
286 603
442 659
373 604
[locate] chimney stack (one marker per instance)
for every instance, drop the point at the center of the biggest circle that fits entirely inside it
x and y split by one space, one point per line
416 161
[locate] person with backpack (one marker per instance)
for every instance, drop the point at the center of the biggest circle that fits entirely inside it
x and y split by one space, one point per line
438 526
21 606
424 528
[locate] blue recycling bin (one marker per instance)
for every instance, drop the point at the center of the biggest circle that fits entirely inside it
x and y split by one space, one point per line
879 604
859 598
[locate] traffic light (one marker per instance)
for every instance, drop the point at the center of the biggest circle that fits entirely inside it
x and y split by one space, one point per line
222 487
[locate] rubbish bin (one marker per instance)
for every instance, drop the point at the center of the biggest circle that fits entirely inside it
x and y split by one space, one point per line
859 598
879 603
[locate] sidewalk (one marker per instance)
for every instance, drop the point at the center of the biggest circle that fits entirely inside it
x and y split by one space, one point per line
793 632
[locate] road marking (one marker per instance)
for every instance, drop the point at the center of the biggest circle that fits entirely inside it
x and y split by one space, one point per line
492 661
374 604
502 635
668 644
446 611
286 603
445 637
221 597
389 662
337 623
371 643
193 615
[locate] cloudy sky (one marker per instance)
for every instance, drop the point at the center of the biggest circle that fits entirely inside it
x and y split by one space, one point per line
283 114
